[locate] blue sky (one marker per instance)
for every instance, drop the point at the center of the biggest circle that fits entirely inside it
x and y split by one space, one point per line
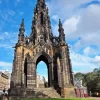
80 20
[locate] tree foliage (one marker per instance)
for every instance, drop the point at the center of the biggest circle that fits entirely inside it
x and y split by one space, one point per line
90 80
79 76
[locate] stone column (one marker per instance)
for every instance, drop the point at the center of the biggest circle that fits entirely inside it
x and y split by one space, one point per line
18 67
31 75
62 79
68 71
66 67
71 73
59 72
22 74
50 74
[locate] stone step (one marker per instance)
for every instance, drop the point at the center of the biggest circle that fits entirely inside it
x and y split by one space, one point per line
34 93
50 92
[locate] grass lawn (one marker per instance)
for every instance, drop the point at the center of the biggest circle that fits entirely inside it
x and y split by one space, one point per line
60 99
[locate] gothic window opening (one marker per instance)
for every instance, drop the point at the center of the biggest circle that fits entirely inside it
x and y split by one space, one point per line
42 76
42 71
41 18
25 73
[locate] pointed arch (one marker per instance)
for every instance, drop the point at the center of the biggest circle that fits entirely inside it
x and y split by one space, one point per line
26 61
25 72
41 18
42 56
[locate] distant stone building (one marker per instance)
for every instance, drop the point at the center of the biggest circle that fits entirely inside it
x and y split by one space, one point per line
81 91
39 82
4 81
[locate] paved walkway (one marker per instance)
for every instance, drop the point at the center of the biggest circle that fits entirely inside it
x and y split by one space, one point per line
95 98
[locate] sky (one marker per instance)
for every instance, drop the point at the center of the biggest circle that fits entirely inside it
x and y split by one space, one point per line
81 22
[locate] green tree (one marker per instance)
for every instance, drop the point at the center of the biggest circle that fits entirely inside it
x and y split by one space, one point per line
91 80
79 76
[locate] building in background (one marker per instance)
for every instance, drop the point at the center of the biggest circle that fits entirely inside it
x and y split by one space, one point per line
39 82
4 81
81 91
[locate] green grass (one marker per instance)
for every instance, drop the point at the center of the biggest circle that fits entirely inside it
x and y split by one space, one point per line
59 99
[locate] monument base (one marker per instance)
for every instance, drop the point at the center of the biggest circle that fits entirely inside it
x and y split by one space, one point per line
21 93
68 92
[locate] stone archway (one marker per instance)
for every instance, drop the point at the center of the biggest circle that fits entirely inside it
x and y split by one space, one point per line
42 56
41 75
44 59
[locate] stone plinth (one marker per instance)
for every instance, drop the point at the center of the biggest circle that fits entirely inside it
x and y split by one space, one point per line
68 92
21 94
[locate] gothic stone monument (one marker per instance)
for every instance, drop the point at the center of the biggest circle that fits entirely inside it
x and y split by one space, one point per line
41 45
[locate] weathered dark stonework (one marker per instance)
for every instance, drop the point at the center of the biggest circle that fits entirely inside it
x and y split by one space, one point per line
41 45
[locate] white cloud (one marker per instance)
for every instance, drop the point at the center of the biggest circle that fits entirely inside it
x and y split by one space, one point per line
88 27
90 51
7 15
70 25
8 39
5 46
81 63
97 59
78 22
87 50
5 64
55 17
5 70
64 8
89 19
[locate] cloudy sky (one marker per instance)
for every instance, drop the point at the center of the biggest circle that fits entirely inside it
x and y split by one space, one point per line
81 21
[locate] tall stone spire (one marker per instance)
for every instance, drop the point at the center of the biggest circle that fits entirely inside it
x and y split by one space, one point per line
41 25
40 12
61 32
41 3
21 32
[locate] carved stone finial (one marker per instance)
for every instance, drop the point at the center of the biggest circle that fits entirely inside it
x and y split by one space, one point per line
60 24
21 32
22 26
61 34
